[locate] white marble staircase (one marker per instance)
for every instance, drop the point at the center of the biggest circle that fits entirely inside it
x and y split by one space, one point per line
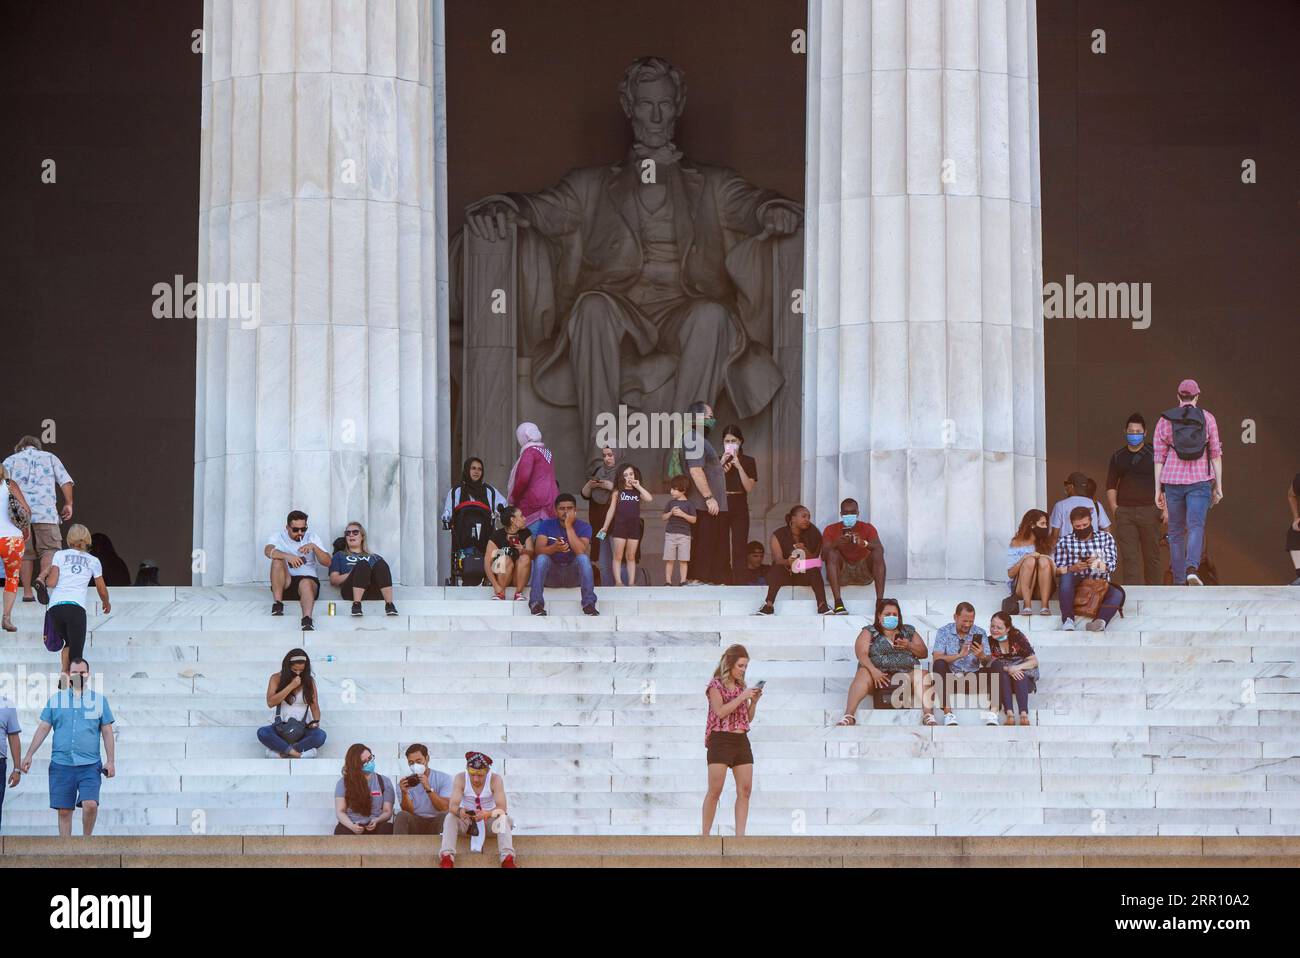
1179 720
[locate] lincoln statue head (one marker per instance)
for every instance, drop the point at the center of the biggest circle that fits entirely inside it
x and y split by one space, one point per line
653 95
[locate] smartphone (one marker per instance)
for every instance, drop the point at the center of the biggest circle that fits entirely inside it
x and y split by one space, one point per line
760 683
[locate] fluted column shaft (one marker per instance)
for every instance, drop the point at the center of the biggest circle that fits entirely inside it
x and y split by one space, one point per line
924 394
319 183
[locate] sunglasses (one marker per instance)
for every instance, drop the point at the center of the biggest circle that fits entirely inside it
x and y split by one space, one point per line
353 532
297 528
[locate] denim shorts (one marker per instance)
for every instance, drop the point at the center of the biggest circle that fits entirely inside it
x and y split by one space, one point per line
70 785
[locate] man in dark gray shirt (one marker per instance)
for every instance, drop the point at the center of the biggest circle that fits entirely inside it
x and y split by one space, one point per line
710 555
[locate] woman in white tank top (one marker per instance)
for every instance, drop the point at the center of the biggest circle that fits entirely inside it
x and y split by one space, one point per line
292 693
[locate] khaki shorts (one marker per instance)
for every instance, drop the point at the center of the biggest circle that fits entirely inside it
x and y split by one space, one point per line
46 539
856 573
677 547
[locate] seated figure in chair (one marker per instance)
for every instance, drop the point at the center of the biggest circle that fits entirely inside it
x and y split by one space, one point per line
655 268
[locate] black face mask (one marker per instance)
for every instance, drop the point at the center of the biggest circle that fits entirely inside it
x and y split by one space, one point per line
1083 533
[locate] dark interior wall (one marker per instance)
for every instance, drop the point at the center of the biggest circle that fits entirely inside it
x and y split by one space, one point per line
1142 151
1141 159
110 92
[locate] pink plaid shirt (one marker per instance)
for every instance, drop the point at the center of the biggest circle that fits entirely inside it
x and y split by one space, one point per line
1182 472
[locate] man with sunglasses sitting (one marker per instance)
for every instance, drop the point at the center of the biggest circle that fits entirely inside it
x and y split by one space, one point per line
297 560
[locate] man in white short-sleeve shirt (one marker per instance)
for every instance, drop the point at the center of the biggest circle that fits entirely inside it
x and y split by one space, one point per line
40 475
297 560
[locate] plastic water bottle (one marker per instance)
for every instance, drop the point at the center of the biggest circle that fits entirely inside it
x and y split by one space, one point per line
329 658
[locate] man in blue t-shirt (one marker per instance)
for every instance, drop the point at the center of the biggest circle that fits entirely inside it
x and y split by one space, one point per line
562 557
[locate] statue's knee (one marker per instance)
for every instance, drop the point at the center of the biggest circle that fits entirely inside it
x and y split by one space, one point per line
591 311
710 318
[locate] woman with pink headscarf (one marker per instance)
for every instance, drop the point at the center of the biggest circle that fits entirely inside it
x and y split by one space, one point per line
532 486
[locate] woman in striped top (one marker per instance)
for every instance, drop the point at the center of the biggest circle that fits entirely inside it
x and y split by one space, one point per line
726 734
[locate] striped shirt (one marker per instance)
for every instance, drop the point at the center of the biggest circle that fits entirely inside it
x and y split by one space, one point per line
1184 472
737 721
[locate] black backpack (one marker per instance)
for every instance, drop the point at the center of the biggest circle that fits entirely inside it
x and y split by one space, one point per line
1188 438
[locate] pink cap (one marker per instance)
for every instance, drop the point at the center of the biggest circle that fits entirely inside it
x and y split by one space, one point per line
1189 387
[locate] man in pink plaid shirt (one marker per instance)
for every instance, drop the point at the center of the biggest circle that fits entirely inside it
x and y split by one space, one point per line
1189 478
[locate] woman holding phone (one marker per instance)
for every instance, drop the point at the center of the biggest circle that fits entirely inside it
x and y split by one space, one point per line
741 474
886 648
796 560
1017 666
623 522
726 734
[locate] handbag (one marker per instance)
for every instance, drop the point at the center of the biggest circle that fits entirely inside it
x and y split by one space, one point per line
291 730
19 515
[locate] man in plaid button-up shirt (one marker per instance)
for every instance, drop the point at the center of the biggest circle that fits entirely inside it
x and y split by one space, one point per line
1086 553
1187 487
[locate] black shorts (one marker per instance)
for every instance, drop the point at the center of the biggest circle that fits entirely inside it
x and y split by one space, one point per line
291 590
730 749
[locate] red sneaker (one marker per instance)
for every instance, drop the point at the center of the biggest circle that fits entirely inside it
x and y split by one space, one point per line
447 861
508 862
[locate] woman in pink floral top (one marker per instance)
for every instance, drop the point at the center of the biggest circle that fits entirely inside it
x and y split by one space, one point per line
726 734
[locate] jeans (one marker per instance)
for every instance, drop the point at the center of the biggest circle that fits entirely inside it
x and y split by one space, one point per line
1109 602
1016 690
314 738
546 571
1137 534
1187 508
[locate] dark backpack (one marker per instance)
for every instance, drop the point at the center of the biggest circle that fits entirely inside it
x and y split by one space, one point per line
1188 437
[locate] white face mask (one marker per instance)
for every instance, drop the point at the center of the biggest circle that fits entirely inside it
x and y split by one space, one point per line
417 768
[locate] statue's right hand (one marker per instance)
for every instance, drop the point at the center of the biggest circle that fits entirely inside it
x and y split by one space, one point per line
492 221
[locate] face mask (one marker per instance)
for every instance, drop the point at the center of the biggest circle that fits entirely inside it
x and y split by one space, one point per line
417 768
889 621
849 521
1083 533
368 767
1134 438
710 422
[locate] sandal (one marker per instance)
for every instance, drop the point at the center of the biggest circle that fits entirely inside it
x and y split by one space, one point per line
846 721
1026 608
9 626
1024 718
929 719
1045 610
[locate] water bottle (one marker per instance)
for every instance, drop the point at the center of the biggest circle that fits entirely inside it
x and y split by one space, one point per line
329 658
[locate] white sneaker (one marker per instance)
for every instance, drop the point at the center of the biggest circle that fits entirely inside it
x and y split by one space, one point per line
950 718
310 753
1194 579
1097 625
990 718
1067 625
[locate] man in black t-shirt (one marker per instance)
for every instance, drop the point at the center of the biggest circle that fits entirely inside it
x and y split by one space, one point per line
1130 493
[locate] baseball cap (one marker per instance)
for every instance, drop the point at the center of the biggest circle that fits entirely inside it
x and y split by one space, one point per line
1189 387
1077 479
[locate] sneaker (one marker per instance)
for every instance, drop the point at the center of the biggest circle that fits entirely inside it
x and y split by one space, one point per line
586 610
950 718
1193 578
277 608
1067 625
390 609
766 609
508 862
1297 580
824 610
306 624
1096 625
839 609
499 596
519 597
356 610
990 718
447 860
537 609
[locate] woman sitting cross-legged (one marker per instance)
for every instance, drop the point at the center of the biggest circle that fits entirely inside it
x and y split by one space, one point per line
884 649
509 555
1017 667
1030 570
292 693
359 573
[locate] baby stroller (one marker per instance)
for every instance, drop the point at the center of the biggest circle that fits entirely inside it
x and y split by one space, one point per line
470 526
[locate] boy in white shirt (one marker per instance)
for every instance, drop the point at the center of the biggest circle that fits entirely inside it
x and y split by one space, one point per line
297 559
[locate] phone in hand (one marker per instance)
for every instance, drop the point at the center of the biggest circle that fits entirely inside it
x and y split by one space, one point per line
411 781
760 683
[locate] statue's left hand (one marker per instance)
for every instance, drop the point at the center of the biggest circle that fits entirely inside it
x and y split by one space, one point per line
779 221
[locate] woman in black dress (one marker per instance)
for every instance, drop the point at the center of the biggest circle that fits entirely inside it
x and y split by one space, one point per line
742 476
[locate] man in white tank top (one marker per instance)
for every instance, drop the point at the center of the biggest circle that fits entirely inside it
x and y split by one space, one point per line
479 797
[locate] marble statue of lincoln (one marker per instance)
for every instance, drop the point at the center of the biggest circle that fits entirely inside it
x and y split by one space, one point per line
648 271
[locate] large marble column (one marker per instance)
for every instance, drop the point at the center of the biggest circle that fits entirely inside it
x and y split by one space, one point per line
320 182
924 349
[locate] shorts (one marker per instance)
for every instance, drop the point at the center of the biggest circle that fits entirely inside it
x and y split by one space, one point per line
625 527
70 785
677 546
45 539
730 749
291 590
856 573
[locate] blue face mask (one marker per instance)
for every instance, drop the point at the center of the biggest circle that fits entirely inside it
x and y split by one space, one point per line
1135 438
889 621
368 767
849 521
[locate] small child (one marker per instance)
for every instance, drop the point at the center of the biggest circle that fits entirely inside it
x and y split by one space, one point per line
680 516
